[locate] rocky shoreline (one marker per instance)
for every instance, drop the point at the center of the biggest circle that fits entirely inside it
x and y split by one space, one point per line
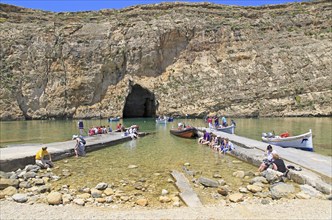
33 185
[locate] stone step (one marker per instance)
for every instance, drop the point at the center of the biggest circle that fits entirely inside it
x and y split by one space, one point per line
187 194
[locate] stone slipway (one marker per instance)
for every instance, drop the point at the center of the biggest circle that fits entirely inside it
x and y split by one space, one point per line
316 168
187 194
14 157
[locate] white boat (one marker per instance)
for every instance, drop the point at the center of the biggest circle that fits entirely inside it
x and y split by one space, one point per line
114 119
161 120
302 141
229 129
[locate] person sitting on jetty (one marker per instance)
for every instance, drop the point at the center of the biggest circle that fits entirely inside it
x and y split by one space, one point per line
91 131
214 141
217 143
132 131
278 164
41 161
79 146
269 159
206 136
228 146
221 144
120 128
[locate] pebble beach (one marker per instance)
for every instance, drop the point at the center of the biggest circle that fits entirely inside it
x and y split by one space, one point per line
253 209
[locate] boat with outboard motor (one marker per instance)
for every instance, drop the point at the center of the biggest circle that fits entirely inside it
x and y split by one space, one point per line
188 132
302 141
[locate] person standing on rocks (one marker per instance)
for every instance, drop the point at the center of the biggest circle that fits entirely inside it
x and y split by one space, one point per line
41 161
81 126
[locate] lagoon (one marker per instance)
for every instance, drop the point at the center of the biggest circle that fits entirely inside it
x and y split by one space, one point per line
155 155
46 131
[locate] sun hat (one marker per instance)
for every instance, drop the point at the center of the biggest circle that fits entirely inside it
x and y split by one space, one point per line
75 136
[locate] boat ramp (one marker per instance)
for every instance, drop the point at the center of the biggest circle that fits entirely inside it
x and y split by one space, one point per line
316 169
18 156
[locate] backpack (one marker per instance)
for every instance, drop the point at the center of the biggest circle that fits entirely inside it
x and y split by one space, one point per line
82 140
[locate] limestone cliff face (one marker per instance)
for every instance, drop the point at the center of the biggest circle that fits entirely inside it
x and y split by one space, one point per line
173 58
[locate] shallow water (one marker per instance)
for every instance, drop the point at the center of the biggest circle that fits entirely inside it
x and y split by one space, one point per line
20 132
157 154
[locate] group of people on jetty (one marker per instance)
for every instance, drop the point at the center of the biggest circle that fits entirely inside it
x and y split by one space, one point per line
216 142
214 122
222 145
43 157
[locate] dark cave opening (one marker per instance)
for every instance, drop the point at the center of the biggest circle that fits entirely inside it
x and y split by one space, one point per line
140 103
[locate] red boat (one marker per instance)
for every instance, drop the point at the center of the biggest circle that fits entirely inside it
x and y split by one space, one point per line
190 132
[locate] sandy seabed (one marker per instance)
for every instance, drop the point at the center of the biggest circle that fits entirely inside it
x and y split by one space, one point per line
286 209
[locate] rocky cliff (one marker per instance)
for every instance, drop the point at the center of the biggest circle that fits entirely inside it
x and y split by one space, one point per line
170 58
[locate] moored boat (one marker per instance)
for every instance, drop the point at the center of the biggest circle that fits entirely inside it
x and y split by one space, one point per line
189 132
161 120
229 129
114 119
302 141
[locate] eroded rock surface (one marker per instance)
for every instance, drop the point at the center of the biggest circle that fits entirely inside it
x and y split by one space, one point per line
245 61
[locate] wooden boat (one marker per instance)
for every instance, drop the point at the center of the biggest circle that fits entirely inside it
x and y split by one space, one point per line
229 129
302 141
189 132
114 119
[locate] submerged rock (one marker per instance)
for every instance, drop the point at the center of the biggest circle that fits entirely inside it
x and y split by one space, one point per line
101 186
132 166
208 182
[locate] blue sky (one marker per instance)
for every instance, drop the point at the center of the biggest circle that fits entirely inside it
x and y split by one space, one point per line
87 5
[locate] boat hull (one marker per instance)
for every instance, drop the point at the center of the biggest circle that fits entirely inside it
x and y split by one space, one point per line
303 141
161 121
185 133
114 119
229 129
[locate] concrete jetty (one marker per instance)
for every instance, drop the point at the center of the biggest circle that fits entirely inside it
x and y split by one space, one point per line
15 157
316 169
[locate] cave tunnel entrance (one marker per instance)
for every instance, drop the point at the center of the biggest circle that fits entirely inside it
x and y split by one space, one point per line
140 103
